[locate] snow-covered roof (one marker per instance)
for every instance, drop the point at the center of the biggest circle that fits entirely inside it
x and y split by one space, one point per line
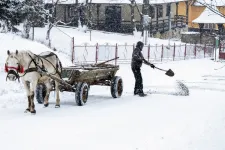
208 16
114 1
209 2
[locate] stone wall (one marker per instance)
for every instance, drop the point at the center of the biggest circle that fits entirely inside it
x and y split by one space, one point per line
196 38
174 33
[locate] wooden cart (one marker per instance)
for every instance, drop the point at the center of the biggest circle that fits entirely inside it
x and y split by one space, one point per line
79 78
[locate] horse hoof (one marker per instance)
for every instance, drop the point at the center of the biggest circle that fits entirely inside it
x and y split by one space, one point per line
46 105
33 112
57 106
27 110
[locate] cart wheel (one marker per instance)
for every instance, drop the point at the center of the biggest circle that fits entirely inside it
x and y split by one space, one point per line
81 94
40 93
116 87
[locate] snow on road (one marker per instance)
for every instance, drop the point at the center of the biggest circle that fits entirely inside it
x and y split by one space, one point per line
158 121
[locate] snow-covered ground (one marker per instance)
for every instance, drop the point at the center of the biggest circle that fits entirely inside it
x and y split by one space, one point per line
86 44
61 37
158 121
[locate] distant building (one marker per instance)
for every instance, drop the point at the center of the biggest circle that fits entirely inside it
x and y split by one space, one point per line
196 9
123 15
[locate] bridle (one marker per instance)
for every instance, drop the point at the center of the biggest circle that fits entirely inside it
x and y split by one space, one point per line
19 69
14 70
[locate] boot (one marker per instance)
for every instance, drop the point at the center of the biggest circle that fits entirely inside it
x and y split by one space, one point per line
142 94
136 92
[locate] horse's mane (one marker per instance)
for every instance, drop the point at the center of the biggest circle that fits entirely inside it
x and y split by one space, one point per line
26 52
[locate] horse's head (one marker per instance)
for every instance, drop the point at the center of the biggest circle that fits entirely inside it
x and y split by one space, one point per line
13 66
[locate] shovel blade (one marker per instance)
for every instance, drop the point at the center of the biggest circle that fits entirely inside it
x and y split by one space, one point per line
170 73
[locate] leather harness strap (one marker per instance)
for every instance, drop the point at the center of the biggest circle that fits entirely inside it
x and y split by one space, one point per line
36 68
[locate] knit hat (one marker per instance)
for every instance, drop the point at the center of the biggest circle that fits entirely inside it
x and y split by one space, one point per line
140 44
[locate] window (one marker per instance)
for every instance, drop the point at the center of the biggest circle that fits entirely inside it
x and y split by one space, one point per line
72 11
168 9
209 26
159 11
152 12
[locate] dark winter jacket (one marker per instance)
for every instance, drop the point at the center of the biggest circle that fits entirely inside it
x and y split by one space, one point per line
137 58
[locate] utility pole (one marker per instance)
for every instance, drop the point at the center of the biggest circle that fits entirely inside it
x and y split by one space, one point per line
132 14
145 21
169 19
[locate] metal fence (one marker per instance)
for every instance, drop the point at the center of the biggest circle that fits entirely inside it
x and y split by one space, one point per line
158 53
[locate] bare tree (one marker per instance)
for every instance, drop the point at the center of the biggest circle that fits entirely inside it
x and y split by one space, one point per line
52 18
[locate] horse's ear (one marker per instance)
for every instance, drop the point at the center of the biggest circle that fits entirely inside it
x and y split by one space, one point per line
17 52
8 52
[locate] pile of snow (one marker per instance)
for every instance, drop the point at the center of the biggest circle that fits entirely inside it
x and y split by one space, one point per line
190 32
216 54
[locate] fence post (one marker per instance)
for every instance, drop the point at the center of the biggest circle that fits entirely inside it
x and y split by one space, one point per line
185 51
96 54
195 51
174 48
156 51
162 53
73 52
116 53
204 50
148 52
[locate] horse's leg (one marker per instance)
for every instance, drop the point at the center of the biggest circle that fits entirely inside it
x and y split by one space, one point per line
27 88
48 90
57 105
32 88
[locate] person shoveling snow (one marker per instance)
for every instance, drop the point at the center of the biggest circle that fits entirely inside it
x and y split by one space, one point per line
136 63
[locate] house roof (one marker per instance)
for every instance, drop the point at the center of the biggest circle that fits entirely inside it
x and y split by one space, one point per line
209 2
208 16
113 1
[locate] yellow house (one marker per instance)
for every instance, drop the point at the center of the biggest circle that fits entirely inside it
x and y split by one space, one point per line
196 8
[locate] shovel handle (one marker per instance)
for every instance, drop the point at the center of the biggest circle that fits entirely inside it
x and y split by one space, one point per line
160 69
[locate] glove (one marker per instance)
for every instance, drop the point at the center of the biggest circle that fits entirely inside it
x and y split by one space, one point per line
153 66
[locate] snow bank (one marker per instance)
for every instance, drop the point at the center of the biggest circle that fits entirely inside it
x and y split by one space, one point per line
216 54
14 42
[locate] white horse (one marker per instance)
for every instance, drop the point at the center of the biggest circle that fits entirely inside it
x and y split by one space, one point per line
25 64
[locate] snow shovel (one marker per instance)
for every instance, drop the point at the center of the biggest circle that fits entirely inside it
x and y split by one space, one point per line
168 72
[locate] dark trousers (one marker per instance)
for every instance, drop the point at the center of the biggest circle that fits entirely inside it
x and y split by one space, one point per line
138 80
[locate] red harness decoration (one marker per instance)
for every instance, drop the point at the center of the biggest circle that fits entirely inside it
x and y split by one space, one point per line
6 68
20 68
